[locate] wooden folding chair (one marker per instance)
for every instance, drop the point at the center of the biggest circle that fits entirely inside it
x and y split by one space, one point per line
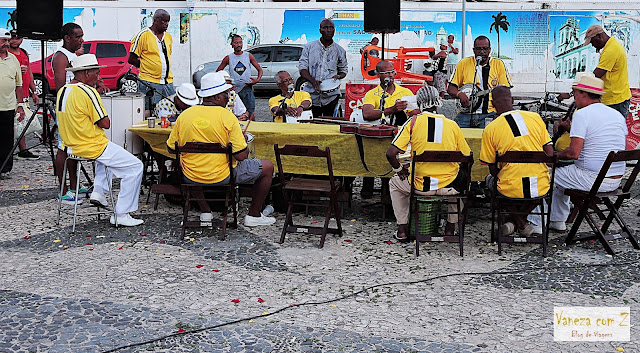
588 204
466 162
228 189
499 201
294 187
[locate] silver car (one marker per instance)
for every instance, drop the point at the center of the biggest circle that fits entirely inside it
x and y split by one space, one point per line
271 57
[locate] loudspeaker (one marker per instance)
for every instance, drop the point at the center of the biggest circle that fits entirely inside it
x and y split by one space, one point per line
40 19
382 16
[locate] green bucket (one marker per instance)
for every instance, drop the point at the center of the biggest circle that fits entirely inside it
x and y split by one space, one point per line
429 221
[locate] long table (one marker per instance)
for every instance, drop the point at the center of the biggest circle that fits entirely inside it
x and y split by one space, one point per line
344 148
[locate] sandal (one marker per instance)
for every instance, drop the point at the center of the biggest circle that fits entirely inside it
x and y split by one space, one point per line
507 228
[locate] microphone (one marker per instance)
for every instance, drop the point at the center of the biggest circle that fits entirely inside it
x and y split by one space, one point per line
386 82
478 59
290 88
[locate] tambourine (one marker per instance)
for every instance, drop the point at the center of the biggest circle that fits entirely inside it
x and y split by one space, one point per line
305 115
329 85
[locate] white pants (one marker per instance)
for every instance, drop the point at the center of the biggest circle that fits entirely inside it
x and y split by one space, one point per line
571 177
400 191
126 166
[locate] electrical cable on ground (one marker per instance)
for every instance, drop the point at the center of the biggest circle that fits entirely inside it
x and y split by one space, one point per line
364 290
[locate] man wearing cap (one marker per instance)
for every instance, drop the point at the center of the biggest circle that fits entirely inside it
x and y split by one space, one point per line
516 130
151 52
171 107
591 142
82 120
611 68
240 63
288 102
483 71
10 95
323 60
235 104
211 122
426 132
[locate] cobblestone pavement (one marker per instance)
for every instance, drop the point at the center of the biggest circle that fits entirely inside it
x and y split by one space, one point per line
106 289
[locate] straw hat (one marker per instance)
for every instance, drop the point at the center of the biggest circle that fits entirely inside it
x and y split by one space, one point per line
212 84
588 82
84 62
592 32
187 94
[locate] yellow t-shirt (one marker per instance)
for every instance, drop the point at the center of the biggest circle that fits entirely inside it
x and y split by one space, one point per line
211 124
155 63
517 131
466 68
10 78
374 96
616 81
432 132
295 101
79 108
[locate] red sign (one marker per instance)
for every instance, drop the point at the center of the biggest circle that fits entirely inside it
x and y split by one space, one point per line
633 120
355 92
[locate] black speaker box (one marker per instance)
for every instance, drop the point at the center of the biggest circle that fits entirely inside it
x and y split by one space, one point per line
382 16
40 19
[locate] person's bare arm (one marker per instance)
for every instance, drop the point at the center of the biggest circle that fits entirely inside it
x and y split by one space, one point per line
104 123
59 64
455 92
307 75
392 157
223 64
255 64
134 60
574 149
599 72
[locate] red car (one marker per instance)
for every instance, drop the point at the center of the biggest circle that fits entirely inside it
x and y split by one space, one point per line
112 53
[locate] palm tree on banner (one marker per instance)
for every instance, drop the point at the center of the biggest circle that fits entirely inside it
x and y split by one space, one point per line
499 21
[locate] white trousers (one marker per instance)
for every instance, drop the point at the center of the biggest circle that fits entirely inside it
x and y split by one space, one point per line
400 191
124 165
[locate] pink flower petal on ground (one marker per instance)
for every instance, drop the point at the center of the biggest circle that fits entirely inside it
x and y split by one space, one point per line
260 300
348 240
199 266
88 235
89 244
162 241
389 242
143 234
216 270
180 331
27 237
236 301
120 248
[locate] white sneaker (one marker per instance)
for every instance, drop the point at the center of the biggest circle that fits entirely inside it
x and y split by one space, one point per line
206 217
98 199
126 220
536 229
558 225
268 210
250 221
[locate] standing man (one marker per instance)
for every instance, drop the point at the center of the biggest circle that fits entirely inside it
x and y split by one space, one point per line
27 84
82 120
240 73
516 130
485 73
322 60
591 141
453 49
295 102
611 68
10 95
151 52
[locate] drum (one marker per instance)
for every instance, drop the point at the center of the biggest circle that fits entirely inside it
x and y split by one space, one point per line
250 146
306 115
124 111
329 85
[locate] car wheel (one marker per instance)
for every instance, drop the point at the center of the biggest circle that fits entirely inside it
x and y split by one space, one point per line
37 80
301 83
130 86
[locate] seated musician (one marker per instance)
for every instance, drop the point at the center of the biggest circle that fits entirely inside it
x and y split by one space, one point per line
212 123
385 103
172 106
295 102
235 104
432 178
516 130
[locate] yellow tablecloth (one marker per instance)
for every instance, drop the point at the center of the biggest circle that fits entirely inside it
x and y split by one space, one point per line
344 148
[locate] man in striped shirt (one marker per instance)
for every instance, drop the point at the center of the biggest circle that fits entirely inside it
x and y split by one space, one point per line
82 120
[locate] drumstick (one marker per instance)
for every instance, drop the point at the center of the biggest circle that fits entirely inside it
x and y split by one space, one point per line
246 127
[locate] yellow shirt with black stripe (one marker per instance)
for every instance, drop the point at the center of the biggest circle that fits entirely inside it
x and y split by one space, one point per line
146 46
432 132
79 108
613 59
211 124
466 69
517 131
295 101
374 97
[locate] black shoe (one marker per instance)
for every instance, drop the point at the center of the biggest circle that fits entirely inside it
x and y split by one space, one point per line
27 155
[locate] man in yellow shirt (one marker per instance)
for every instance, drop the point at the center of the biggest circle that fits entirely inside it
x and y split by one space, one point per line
485 73
82 120
295 102
151 52
426 132
211 122
516 130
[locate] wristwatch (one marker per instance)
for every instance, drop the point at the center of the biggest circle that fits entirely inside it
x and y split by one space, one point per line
395 170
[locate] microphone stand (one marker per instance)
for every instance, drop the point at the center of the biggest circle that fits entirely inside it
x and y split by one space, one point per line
150 92
473 89
283 105
383 119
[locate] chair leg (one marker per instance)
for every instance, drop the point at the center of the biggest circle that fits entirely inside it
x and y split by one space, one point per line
599 234
542 221
337 209
287 220
225 211
64 180
327 218
493 221
113 200
185 211
234 204
499 215
461 219
75 204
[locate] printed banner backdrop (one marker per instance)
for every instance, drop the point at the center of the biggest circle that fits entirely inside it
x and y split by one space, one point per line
633 121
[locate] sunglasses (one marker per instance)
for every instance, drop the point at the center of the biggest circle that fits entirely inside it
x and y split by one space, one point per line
482 48
387 72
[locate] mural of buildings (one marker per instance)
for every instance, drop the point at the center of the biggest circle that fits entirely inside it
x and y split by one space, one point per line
571 56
